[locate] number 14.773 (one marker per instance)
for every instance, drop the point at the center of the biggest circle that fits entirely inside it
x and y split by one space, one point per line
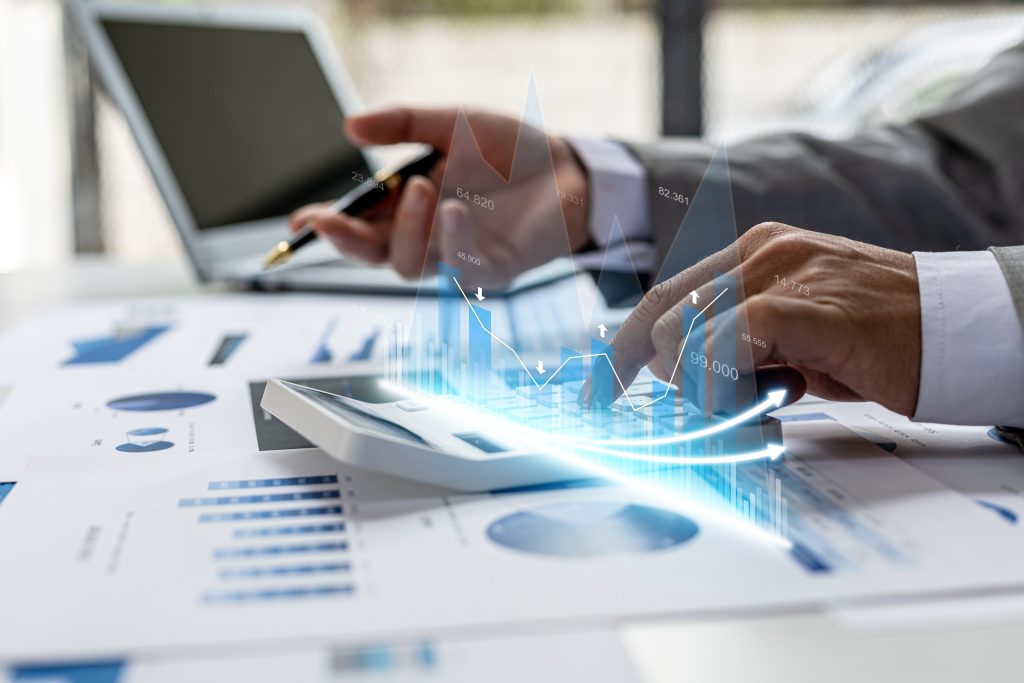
793 285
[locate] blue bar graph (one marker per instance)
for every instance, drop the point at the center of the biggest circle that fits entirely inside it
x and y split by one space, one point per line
479 350
727 393
323 354
269 514
449 312
263 532
265 550
115 347
88 672
5 489
227 347
692 373
285 570
365 350
264 498
603 382
664 411
267 483
290 549
279 594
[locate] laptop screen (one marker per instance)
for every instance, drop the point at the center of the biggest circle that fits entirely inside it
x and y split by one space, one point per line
245 117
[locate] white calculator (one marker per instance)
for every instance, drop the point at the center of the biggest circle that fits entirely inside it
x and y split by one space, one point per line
370 422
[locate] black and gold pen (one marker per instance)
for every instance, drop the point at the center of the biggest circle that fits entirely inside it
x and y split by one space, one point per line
355 201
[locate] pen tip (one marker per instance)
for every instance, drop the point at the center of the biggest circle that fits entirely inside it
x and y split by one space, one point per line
278 255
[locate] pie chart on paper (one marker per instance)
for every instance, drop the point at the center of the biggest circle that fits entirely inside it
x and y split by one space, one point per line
166 400
591 529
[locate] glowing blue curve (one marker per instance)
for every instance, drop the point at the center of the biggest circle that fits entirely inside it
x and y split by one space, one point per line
770 452
774 400
541 440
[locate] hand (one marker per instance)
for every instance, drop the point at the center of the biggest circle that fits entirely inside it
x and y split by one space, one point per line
846 315
506 197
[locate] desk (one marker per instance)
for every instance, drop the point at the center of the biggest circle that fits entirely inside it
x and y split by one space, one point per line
793 647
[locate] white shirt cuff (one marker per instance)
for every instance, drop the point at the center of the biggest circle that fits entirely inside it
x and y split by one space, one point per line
618 202
972 342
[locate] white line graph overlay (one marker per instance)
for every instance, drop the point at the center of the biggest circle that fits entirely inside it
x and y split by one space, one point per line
622 386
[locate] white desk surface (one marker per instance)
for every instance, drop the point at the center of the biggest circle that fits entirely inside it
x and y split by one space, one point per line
793 648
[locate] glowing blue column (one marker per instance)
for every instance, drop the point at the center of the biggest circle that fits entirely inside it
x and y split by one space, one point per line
694 357
724 351
726 387
663 409
449 314
602 384
479 348
693 374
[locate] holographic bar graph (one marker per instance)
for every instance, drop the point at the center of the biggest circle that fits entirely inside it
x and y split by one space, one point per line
449 314
480 350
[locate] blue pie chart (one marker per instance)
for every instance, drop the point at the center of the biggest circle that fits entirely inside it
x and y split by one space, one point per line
164 400
592 529
146 440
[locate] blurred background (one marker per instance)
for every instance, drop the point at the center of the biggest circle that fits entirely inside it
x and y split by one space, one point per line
72 181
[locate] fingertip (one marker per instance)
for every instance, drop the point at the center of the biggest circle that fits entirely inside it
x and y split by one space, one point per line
454 217
422 186
409 244
381 127
775 377
330 224
360 129
352 237
303 215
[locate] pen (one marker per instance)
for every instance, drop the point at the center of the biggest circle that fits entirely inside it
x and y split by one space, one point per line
366 195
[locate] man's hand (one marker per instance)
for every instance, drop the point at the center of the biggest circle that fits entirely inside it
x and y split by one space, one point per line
846 315
506 197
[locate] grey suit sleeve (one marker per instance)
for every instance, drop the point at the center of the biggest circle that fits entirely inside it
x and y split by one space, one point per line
1011 260
953 179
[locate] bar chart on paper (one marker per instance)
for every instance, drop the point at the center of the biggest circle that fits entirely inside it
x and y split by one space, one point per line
277 539
114 347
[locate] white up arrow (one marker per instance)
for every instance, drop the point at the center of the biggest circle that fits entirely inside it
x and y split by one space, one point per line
694 296
602 329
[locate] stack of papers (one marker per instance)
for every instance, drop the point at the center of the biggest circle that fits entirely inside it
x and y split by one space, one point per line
154 519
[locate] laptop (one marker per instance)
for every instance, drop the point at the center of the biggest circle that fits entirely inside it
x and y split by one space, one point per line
238 113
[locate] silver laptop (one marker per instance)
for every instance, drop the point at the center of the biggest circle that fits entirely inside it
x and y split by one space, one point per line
239 113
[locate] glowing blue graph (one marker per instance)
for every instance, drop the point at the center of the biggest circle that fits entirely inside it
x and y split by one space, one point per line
592 529
115 347
145 440
163 400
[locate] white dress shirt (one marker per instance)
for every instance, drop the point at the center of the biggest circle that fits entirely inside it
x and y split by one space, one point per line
972 340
